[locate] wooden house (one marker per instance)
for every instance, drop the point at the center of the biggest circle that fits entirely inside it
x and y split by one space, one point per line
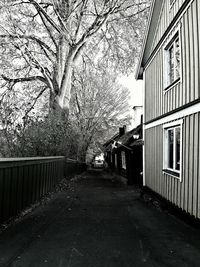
109 146
170 67
124 155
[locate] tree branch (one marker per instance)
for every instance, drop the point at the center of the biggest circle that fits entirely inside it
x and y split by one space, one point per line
48 30
28 37
35 100
24 79
44 13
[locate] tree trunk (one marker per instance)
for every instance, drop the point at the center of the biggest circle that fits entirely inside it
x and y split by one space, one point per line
67 57
82 151
56 109
64 94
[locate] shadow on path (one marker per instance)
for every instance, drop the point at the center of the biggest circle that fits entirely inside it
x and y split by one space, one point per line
98 222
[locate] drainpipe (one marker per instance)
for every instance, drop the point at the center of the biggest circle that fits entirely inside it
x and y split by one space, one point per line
143 134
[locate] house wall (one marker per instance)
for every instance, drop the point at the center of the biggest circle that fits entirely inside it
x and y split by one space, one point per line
166 17
157 100
186 193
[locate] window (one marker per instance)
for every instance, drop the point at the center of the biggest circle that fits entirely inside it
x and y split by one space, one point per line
123 155
172 61
173 148
116 160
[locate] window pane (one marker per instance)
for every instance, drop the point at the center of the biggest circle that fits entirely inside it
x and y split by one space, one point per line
177 58
171 64
177 163
123 155
170 148
116 160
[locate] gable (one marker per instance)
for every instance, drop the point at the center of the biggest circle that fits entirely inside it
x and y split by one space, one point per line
162 16
152 29
150 33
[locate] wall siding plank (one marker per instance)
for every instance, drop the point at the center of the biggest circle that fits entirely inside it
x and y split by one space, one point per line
195 165
190 163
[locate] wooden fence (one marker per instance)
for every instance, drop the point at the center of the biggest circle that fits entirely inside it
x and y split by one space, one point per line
24 180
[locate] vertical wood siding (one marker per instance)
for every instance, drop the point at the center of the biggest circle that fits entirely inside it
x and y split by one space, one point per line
158 101
167 15
185 194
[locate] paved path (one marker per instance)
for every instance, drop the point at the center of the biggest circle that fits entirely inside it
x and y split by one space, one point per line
99 224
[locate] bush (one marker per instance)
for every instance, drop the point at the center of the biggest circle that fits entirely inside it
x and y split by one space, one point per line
51 136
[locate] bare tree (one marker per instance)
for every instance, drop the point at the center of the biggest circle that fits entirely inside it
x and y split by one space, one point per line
99 106
43 40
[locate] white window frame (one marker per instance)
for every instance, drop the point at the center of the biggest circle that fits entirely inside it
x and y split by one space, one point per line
166 127
123 156
171 41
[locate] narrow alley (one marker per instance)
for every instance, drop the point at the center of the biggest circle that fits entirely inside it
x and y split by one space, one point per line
99 223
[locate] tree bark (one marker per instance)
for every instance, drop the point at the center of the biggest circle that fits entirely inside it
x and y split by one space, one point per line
56 109
66 59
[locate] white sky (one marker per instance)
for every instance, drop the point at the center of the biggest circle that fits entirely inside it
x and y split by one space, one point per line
136 89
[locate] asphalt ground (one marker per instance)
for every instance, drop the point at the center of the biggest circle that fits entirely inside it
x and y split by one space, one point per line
98 222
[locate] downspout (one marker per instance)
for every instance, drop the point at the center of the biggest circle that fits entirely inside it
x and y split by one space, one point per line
143 133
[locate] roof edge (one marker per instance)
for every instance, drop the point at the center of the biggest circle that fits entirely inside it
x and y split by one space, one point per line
139 69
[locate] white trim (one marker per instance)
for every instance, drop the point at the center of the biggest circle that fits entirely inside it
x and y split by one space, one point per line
178 115
171 86
170 169
181 154
166 127
163 147
172 175
169 42
173 124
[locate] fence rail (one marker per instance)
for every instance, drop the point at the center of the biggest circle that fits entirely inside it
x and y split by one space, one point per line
24 180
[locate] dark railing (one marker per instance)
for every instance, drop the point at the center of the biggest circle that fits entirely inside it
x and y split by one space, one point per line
24 180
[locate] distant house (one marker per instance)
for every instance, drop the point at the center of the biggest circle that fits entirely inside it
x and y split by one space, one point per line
170 66
109 146
124 154
137 115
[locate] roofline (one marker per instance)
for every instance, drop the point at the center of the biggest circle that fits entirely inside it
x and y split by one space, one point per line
134 107
139 69
111 139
